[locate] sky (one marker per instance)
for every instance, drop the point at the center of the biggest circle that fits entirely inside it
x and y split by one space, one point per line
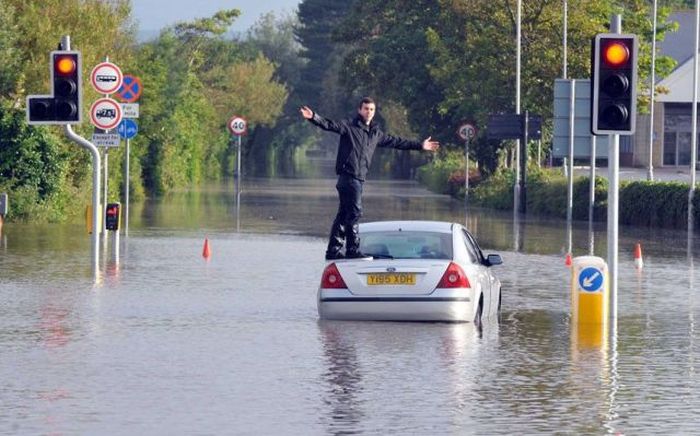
153 15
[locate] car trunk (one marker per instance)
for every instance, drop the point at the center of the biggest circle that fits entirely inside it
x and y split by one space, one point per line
389 277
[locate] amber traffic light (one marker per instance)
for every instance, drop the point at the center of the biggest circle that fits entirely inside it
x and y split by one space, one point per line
614 84
63 106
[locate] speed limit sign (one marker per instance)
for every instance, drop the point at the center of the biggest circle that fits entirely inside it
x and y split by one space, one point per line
467 131
237 125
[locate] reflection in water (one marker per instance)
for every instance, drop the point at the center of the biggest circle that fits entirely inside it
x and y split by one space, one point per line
375 375
343 377
54 332
166 332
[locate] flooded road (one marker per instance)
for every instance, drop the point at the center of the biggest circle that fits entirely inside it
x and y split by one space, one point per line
168 343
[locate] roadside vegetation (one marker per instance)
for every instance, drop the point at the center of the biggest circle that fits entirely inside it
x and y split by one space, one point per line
430 65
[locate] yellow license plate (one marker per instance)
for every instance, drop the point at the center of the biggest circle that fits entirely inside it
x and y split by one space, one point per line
391 279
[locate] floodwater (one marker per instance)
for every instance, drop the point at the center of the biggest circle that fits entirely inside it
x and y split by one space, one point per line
168 343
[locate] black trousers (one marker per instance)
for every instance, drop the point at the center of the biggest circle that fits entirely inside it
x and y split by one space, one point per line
345 227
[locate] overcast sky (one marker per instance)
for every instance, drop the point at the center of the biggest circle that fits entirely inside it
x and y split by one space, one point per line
153 15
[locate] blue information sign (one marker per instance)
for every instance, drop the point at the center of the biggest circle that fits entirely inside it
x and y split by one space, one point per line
590 279
127 128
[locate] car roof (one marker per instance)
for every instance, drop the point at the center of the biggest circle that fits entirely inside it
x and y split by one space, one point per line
423 226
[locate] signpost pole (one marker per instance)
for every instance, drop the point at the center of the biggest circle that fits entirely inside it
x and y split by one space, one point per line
591 193
694 128
523 163
126 191
466 174
239 180
106 185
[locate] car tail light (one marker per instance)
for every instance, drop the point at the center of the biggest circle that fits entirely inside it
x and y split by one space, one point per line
454 277
332 279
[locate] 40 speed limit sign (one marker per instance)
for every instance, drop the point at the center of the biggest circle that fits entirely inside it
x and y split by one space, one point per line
237 125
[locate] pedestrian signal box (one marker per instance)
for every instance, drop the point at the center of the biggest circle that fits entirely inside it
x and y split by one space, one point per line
112 216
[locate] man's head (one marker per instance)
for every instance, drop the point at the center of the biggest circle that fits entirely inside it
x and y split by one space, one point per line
366 109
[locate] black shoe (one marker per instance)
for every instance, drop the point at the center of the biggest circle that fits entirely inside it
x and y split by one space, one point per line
357 255
334 256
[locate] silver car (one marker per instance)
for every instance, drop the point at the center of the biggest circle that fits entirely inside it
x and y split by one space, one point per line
419 271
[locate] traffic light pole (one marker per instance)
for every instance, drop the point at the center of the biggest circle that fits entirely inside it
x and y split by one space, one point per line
96 223
613 199
613 209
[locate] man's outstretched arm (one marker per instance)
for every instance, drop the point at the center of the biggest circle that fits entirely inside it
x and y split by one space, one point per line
390 141
318 120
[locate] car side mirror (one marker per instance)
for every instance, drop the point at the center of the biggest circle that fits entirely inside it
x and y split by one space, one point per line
493 259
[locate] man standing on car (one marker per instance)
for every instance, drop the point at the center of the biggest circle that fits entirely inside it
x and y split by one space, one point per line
359 137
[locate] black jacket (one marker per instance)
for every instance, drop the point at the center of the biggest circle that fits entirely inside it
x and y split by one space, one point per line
358 142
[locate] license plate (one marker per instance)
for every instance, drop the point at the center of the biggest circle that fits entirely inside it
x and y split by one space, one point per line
391 279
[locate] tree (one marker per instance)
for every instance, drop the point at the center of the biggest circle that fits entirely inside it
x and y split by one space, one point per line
318 20
448 61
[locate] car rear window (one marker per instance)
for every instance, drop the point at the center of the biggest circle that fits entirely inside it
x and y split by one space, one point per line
407 244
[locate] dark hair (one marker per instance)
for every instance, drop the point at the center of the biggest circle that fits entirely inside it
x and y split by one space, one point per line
366 100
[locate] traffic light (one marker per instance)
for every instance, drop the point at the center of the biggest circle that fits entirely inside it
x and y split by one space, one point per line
614 84
63 106
112 216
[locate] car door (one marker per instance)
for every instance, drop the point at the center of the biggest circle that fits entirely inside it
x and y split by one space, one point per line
482 272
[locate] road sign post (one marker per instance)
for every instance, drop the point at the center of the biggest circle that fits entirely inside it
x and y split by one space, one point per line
128 94
238 126
467 132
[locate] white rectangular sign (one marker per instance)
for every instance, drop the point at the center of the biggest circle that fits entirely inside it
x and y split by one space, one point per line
582 121
130 110
106 139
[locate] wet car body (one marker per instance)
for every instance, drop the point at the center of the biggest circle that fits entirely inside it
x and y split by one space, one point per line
419 271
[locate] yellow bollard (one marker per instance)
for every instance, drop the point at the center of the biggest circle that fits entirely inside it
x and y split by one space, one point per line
589 303
589 290
88 218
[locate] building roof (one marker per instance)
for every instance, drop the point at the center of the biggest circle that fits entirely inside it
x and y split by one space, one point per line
679 84
679 44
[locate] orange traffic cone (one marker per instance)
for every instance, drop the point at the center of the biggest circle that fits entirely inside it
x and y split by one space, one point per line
638 261
567 261
206 252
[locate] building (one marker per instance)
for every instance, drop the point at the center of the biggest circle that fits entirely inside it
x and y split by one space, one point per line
673 110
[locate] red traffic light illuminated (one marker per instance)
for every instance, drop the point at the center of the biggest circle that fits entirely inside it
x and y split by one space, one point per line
616 54
112 216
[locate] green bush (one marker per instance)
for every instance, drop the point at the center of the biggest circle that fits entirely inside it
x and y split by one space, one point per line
33 169
656 204
436 175
497 192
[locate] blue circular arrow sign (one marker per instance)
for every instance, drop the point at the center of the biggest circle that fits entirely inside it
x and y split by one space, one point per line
590 279
128 128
